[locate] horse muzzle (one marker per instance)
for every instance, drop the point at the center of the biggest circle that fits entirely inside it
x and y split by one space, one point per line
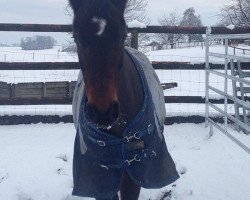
103 118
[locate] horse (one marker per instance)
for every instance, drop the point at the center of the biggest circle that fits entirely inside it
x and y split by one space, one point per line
111 100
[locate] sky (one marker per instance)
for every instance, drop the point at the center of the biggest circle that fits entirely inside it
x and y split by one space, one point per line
54 12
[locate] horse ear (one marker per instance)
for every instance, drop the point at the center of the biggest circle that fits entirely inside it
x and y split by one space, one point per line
121 4
75 4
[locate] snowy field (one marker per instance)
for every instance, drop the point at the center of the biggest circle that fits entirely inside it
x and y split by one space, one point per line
191 55
36 161
194 54
16 54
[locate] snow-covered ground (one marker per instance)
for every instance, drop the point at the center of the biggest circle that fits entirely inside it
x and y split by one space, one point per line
36 162
194 54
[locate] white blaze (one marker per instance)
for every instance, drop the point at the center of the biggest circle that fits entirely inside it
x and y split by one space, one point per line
102 23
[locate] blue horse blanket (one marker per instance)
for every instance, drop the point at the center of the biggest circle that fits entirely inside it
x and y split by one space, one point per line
100 159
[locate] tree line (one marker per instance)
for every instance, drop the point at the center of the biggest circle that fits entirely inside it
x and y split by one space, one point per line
37 42
236 12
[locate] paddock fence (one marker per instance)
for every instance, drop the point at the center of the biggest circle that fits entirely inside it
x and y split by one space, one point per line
61 92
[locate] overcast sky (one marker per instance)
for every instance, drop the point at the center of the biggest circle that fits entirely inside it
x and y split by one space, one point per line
54 12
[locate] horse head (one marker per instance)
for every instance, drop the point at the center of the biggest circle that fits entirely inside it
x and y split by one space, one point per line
99 30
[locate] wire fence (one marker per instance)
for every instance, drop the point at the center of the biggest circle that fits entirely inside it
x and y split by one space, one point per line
16 54
189 82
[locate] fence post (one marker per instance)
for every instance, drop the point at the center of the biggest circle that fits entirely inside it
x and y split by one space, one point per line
33 56
226 83
5 58
207 67
134 39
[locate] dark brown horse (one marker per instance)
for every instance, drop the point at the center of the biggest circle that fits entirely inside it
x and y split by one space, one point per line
112 84
119 142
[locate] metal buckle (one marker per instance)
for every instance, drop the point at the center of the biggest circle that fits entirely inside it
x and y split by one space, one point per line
135 136
148 154
136 159
101 143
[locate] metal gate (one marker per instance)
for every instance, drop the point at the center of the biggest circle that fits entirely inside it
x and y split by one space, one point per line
237 76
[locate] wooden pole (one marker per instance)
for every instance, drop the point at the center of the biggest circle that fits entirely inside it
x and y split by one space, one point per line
134 39
148 29
76 66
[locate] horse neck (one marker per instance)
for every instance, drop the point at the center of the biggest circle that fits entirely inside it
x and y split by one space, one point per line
130 92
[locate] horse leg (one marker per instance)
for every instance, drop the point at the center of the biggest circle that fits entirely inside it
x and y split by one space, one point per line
116 197
129 189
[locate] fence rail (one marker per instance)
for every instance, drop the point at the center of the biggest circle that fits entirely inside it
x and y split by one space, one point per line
76 66
29 119
238 48
68 100
53 93
148 29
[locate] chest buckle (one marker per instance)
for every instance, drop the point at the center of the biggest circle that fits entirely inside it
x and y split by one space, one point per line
136 136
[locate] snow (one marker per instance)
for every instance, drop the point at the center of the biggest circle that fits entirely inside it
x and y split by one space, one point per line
136 24
102 23
231 27
36 162
193 55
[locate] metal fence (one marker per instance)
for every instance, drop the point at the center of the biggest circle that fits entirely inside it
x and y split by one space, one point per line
241 123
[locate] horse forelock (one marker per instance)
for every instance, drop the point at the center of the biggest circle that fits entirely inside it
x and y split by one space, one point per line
98 22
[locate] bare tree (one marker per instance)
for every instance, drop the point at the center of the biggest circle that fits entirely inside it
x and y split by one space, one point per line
135 10
237 12
191 19
172 19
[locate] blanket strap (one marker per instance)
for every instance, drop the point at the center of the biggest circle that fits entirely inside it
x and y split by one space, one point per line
135 136
145 154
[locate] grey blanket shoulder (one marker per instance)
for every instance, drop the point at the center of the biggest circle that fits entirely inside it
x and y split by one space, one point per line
153 83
